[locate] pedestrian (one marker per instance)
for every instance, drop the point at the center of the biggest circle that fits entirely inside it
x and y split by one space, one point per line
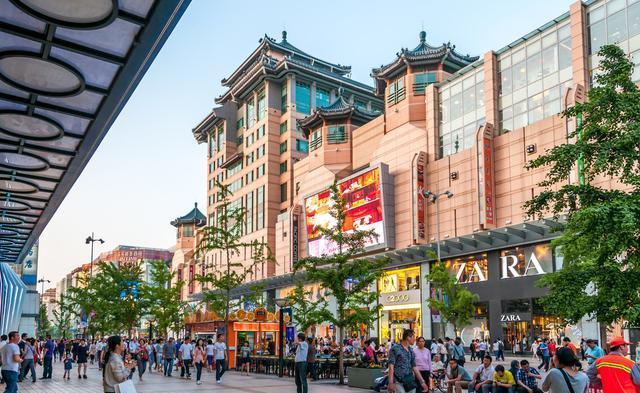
11 360
434 348
404 376
615 372
220 349
566 342
21 345
115 371
81 357
528 378
567 377
245 357
494 348
49 349
503 380
544 352
99 350
482 349
458 351
151 351
423 361
92 352
60 348
68 366
302 349
482 379
158 350
458 377
199 359
593 351
185 355
168 354
500 350
583 349
142 358
210 350
534 350
442 350
312 366
472 350
28 362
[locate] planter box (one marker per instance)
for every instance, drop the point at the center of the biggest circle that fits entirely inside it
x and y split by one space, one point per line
362 377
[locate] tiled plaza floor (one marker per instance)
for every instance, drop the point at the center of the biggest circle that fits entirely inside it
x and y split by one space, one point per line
156 383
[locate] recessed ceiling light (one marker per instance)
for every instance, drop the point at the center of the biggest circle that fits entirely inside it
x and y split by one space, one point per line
35 127
13 206
71 13
19 186
27 71
23 161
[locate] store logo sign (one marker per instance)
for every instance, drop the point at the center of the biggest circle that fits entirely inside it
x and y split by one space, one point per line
510 318
476 271
510 267
398 298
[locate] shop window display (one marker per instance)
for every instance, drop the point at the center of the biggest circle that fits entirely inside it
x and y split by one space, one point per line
400 280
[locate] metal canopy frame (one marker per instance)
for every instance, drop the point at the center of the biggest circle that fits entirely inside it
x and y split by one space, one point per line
101 58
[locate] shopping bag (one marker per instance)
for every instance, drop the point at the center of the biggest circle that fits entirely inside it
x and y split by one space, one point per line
126 387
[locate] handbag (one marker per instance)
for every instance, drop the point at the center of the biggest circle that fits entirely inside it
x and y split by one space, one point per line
126 387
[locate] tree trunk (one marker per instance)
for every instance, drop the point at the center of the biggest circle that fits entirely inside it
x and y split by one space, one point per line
341 356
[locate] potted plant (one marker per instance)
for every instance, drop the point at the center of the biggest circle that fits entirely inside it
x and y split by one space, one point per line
363 374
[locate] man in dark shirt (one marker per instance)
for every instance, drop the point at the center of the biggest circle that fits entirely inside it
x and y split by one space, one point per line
311 359
527 378
403 372
49 349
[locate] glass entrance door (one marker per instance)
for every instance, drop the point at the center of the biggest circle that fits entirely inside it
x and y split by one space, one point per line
513 333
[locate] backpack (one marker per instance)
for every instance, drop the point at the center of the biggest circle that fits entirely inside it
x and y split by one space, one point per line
500 346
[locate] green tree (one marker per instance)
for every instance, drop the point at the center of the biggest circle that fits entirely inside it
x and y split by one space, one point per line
344 275
225 235
63 315
44 326
306 312
165 304
454 302
600 238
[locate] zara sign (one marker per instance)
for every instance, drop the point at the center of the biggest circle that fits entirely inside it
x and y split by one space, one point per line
526 261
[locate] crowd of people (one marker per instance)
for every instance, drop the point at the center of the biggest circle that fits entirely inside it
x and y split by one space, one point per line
416 367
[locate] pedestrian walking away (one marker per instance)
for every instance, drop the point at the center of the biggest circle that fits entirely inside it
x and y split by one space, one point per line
220 349
302 350
185 355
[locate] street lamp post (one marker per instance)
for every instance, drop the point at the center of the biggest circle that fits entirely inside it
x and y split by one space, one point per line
90 240
42 281
282 303
434 197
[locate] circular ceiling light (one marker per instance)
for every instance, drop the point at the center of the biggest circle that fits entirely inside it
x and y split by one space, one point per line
8 232
35 127
15 206
9 243
78 14
11 220
29 72
19 186
22 161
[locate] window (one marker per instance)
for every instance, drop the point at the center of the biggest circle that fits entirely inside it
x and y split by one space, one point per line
251 113
303 98
239 140
337 134
250 158
400 280
283 167
249 212
261 132
316 139
283 97
322 97
302 146
249 178
461 112
283 147
240 123
533 77
262 108
233 169
235 185
396 91
249 139
360 104
297 188
260 151
283 192
260 208
283 127
260 171
422 81
220 138
212 167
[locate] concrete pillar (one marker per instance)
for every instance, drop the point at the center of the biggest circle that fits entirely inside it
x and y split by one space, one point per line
579 44
425 310
313 95
491 90
432 122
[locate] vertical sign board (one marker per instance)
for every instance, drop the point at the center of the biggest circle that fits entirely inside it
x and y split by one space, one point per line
420 201
486 179
30 266
294 238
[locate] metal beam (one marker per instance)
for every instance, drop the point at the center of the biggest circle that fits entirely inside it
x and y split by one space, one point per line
468 242
516 232
534 228
498 235
454 244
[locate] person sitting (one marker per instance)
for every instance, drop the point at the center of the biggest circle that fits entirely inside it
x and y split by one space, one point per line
458 377
482 380
503 380
528 378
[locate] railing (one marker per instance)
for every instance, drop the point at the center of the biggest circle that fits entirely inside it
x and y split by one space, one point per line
397 96
420 87
339 137
314 144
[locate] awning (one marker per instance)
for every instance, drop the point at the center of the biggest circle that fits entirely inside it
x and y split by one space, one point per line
67 68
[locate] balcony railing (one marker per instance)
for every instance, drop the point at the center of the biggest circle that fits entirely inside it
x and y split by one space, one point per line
314 144
396 96
338 137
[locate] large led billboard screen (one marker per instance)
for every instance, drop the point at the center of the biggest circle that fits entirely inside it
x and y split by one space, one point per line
364 195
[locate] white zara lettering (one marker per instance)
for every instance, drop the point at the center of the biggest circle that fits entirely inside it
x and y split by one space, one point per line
509 266
476 272
509 318
535 264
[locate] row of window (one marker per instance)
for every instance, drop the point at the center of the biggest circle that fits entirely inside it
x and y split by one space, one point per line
335 134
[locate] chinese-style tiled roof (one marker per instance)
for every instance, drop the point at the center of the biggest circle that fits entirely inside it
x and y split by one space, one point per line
217 114
195 216
339 109
424 55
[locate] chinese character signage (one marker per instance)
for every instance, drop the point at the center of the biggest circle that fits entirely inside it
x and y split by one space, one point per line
30 266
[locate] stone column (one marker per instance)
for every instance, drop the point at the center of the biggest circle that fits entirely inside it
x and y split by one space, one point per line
432 124
491 90
579 44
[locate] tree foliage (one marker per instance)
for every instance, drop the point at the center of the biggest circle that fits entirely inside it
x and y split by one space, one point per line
165 304
44 325
226 235
601 236
453 301
344 275
306 312
63 316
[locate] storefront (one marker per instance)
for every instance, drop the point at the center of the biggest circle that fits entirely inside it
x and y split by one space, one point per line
509 304
401 303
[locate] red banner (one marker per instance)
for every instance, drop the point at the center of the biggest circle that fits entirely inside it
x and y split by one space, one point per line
487 164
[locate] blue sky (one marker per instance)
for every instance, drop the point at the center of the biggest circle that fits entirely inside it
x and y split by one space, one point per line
149 169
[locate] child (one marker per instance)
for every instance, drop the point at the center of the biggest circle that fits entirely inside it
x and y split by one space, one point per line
128 360
68 365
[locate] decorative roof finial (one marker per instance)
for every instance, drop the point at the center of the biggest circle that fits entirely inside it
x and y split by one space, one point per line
196 205
284 36
423 36
340 91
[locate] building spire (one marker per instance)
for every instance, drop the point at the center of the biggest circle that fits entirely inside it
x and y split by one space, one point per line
423 36
284 36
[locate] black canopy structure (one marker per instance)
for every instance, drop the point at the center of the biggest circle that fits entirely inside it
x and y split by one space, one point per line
67 68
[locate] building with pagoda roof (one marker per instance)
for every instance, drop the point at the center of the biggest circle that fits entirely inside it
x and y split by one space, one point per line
184 262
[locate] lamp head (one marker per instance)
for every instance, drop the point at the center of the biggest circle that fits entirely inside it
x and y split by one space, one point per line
449 194
426 193
102 241
88 240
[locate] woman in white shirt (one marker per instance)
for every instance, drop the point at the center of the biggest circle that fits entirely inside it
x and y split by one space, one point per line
115 371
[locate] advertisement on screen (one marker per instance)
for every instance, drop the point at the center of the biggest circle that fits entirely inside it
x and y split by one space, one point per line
364 194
